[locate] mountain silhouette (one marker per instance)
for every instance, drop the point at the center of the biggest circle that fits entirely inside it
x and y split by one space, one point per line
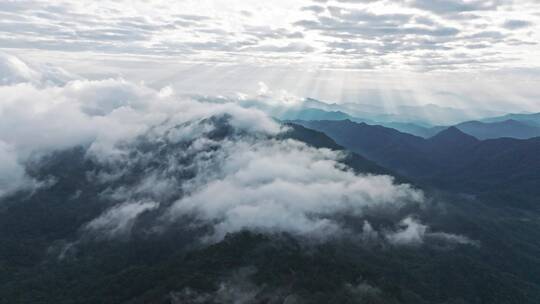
450 160
507 128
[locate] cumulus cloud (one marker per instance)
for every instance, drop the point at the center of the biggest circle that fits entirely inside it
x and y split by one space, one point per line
13 176
210 174
285 186
375 30
40 117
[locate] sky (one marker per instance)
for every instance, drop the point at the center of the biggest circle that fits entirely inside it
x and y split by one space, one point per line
480 54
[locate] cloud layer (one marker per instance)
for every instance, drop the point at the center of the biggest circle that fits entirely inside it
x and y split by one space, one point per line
411 34
285 186
212 165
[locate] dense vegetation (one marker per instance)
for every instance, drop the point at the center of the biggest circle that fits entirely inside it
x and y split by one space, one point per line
44 258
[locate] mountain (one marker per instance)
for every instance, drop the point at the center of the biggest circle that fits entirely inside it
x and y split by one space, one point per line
353 160
353 109
314 114
320 114
399 151
411 128
507 128
529 119
415 120
451 138
480 129
405 116
450 160
47 255
432 114
422 120
422 115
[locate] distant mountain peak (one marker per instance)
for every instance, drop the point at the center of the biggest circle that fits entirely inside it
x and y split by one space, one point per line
450 131
513 121
513 128
453 135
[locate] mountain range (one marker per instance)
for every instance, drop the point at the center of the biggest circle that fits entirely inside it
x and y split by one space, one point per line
506 128
47 255
427 115
420 120
529 119
115 192
423 115
450 160
521 126
486 129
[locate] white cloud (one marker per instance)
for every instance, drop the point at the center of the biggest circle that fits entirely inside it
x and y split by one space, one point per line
330 50
40 117
13 176
276 186
212 161
415 233
119 220
13 70
236 288
234 180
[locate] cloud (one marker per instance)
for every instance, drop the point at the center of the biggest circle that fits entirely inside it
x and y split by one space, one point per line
237 288
111 28
290 47
38 116
363 30
456 6
270 33
13 71
285 186
516 24
412 233
118 221
415 233
209 164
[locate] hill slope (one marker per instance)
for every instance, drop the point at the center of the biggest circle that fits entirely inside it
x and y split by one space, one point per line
507 128
46 256
451 159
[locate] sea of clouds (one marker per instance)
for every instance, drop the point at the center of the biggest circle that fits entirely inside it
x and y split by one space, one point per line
218 164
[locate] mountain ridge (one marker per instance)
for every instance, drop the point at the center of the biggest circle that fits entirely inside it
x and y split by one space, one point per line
451 160
520 126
